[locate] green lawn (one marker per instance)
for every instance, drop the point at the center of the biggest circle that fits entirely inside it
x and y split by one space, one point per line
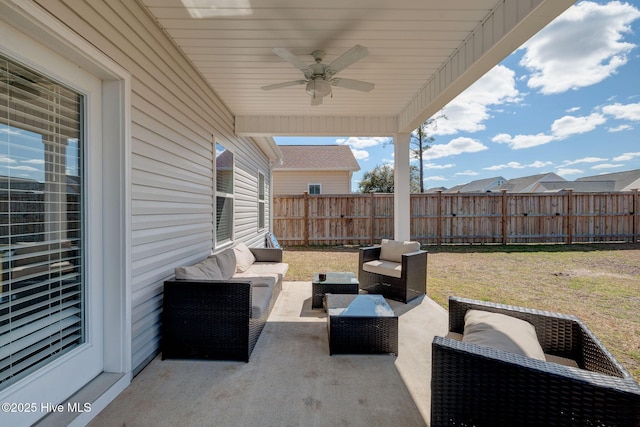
598 283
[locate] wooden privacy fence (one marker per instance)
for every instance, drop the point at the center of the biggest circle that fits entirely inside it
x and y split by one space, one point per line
459 218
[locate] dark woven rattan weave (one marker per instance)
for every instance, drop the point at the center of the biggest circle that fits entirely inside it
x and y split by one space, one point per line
359 335
319 289
211 319
412 283
473 385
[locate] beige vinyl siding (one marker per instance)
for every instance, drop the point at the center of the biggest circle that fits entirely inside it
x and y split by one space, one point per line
176 119
297 182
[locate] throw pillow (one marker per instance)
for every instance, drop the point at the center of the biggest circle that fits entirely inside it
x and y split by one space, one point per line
502 332
244 257
392 250
192 272
226 261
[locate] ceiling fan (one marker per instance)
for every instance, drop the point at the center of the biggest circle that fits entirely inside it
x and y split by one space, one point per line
319 77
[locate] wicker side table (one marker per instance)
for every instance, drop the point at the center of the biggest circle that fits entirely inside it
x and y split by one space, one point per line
361 324
334 283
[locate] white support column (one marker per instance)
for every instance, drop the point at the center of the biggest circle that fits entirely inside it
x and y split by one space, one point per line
401 201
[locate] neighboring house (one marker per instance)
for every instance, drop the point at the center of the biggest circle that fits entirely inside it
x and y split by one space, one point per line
528 184
623 181
315 169
478 186
578 186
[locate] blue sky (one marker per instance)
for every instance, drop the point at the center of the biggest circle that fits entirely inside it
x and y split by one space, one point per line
567 101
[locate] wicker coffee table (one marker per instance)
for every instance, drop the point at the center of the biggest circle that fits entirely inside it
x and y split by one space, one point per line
361 324
334 283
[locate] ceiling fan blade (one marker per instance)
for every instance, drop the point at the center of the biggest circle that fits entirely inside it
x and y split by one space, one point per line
284 84
354 54
353 84
290 58
316 100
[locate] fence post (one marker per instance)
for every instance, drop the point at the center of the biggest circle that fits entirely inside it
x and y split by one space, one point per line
439 219
570 216
504 216
372 215
306 220
635 215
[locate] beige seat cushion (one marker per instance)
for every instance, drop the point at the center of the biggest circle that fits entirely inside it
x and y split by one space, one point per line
266 268
502 332
386 268
244 257
392 250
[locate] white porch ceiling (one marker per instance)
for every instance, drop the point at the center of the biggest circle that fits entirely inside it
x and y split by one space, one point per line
423 53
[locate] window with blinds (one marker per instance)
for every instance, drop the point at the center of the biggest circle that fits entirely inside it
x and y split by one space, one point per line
42 311
224 194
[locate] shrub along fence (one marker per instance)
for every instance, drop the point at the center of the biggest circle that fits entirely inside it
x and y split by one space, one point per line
459 218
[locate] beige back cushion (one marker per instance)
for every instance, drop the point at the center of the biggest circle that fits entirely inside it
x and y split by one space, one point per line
204 270
244 257
502 332
392 250
226 262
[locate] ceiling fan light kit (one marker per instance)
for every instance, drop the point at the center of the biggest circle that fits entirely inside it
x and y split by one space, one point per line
319 76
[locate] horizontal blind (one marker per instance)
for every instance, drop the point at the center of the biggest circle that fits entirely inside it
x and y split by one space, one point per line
41 293
224 194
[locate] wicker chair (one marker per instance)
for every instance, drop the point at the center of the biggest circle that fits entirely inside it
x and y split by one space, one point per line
473 385
412 283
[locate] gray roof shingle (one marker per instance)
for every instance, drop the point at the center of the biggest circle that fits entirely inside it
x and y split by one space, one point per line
317 157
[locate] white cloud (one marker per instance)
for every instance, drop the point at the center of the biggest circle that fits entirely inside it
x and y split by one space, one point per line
523 141
623 111
605 166
573 110
454 147
620 128
435 166
359 143
571 125
626 157
560 129
24 168
540 164
581 47
360 154
569 171
467 173
584 160
34 161
5 159
517 165
468 111
435 178
510 165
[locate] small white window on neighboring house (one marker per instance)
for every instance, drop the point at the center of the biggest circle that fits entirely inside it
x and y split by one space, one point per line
224 194
261 198
315 188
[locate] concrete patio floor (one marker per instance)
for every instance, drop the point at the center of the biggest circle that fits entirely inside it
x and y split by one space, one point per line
291 379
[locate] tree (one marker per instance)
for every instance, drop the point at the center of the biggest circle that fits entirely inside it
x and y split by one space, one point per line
420 140
380 180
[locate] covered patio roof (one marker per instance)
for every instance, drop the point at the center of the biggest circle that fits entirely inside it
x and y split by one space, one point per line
422 54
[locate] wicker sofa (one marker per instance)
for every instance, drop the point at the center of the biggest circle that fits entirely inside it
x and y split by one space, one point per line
474 385
395 269
218 313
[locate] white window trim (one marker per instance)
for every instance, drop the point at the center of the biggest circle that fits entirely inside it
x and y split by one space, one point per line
109 251
264 199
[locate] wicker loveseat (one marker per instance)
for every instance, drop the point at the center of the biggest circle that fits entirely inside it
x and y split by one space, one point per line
220 318
474 385
395 269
